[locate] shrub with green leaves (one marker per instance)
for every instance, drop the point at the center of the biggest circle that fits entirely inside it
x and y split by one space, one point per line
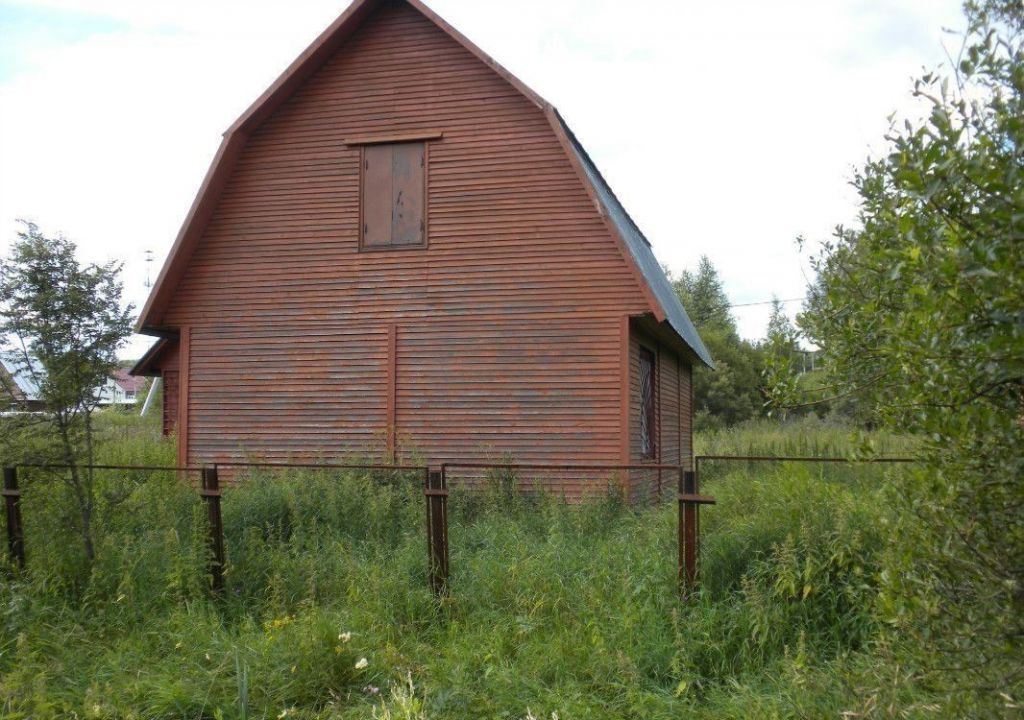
920 312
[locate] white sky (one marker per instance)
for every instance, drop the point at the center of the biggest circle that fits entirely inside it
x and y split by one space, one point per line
727 128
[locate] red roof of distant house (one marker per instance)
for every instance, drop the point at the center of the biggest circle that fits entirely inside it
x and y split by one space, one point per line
128 383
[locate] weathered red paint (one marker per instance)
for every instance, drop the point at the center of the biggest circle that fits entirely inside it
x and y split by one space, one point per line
513 328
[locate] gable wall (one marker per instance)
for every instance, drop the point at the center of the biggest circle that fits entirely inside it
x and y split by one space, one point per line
512 230
505 326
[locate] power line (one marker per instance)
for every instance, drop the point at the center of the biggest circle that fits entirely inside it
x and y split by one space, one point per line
767 302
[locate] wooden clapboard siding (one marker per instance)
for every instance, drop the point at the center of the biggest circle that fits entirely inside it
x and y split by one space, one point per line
168 364
522 390
287 392
670 407
506 326
169 357
686 414
640 481
170 401
512 229
184 383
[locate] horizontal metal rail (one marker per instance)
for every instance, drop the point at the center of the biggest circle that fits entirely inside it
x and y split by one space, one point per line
793 458
199 468
148 468
322 466
558 466
435 492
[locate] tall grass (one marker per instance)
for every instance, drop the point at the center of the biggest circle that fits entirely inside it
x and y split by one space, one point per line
553 608
803 437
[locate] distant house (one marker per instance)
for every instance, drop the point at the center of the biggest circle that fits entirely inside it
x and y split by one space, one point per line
122 388
19 386
399 245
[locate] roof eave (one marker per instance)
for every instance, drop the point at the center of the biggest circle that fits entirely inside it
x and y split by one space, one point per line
661 314
144 365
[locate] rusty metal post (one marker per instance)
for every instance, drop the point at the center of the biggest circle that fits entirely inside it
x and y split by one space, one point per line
211 495
430 525
688 514
689 529
437 529
444 524
15 530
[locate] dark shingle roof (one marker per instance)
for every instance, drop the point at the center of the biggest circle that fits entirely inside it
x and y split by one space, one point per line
642 253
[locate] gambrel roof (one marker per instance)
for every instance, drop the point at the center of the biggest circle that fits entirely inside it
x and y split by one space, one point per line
636 250
641 252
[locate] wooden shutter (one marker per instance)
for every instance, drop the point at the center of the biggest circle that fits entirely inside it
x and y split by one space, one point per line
393 202
377 195
407 220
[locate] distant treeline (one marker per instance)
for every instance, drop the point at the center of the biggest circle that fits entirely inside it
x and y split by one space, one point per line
735 390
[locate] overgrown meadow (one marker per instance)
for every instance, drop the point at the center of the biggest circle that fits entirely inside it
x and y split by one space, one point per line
554 610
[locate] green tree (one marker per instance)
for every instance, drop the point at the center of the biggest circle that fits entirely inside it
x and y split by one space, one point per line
731 393
703 296
781 353
63 323
782 335
920 312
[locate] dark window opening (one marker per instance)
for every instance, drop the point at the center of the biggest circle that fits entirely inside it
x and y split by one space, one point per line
648 447
393 196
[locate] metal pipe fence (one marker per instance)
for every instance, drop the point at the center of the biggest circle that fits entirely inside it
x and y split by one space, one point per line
435 493
688 499
210 490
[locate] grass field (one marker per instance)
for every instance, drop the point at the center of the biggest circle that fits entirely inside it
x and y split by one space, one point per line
554 611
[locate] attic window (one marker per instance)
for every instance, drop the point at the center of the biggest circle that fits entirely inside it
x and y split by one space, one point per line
393 202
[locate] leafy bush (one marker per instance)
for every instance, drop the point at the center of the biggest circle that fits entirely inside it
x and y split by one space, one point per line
919 312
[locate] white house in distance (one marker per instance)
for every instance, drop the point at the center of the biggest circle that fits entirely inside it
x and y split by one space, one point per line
22 387
121 388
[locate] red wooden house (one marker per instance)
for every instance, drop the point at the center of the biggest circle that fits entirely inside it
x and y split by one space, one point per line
400 244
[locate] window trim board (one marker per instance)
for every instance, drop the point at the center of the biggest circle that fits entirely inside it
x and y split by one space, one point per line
390 138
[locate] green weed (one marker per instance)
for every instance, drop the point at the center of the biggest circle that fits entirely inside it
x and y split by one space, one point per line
554 610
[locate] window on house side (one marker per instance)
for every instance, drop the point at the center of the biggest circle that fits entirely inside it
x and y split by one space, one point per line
393 196
648 447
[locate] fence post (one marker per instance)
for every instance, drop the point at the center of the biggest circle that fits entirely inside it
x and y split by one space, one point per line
689 529
436 492
15 531
211 495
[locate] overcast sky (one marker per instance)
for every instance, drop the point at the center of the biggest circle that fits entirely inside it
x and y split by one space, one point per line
727 128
